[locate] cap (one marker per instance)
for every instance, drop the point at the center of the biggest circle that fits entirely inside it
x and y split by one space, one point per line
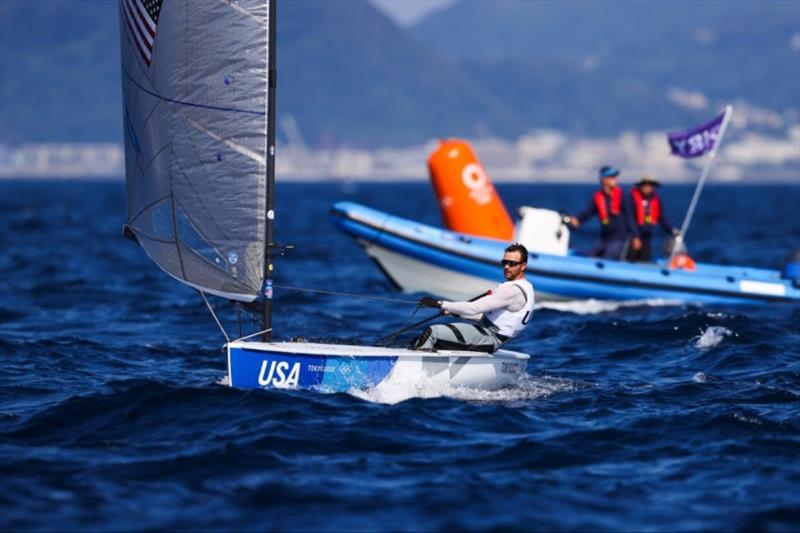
608 172
647 179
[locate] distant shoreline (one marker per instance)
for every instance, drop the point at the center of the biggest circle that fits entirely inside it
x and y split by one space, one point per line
788 181
539 157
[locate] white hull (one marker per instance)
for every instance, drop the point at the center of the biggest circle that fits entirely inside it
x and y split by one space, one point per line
343 368
414 275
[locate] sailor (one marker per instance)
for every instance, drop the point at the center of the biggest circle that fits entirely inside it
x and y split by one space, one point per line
648 212
496 318
613 209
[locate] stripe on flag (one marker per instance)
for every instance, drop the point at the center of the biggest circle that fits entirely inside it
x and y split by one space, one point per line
141 17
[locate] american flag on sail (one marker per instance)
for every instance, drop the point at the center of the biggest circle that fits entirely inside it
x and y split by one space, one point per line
142 18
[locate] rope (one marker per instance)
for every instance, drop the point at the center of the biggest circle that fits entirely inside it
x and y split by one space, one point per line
348 294
252 335
215 316
396 333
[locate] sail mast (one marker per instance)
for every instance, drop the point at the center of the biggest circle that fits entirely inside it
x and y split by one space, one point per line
266 317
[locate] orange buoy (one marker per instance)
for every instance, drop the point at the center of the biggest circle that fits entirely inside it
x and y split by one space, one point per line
468 200
682 261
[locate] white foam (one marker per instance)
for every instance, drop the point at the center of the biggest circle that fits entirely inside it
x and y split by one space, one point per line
593 307
526 388
711 337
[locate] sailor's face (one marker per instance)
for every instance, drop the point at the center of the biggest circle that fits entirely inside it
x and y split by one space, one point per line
610 182
513 267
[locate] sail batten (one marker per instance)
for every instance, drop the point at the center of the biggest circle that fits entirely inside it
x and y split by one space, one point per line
196 108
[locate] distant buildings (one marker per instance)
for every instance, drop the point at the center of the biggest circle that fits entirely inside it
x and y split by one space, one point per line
61 161
540 156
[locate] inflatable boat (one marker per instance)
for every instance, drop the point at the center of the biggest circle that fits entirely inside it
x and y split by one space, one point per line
463 260
421 258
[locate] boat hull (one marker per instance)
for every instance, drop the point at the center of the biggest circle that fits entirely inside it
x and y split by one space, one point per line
343 368
421 258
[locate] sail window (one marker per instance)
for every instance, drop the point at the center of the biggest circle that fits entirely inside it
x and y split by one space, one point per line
189 236
161 218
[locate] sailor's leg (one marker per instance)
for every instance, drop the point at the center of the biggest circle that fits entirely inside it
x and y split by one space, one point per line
646 253
597 249
458 336
427 339
615 249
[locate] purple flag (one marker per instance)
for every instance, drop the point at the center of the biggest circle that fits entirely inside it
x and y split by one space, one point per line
696 141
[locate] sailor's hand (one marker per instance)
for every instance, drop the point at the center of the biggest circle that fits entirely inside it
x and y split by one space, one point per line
427 301
636 243
574 222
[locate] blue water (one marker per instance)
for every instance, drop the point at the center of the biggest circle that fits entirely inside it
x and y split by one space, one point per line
631 418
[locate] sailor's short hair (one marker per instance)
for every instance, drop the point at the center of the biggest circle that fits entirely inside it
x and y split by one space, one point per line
517 247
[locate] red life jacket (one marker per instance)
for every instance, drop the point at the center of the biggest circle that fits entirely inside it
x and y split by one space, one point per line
602 205
648 210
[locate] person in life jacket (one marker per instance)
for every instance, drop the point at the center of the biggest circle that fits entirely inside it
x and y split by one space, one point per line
648 212
495 318
614 210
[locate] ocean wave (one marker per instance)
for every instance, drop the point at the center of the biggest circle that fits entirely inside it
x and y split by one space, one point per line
593 307
526 388
114 412
712 337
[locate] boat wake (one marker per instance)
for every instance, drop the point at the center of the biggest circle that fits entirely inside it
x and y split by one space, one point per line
593 307
526 388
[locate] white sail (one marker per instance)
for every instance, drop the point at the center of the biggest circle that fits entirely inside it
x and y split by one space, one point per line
195 109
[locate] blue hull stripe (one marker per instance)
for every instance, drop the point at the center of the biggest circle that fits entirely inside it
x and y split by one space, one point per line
250 369
593 286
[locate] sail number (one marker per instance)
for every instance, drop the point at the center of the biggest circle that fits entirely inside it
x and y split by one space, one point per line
474 178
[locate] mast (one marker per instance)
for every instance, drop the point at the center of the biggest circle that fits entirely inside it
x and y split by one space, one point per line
679 240
272 82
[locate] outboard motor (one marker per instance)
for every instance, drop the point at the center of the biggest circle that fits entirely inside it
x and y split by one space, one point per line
791 268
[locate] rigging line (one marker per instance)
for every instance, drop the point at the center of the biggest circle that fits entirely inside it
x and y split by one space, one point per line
190 104
348 294
394 335
251 335
228 339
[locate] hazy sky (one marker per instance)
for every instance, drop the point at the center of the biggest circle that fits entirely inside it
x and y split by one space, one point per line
407 12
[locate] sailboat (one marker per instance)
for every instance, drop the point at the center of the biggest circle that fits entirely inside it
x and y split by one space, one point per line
198 83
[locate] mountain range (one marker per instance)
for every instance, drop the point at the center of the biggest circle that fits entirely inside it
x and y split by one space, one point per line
349 75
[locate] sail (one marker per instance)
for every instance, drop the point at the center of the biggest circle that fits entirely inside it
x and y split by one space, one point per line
195 109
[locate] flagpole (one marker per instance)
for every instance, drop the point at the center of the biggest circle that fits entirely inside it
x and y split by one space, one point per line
706 169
